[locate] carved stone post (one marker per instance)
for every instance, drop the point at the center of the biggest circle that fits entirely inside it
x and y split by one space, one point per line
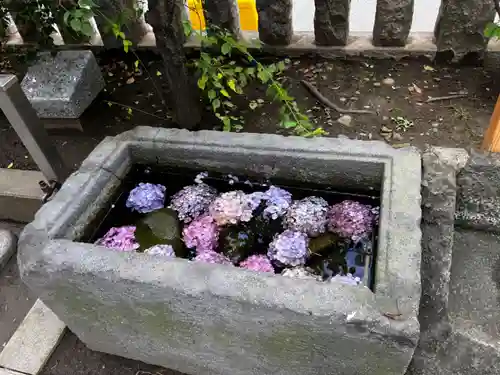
392 22
460 26
331 22
275 21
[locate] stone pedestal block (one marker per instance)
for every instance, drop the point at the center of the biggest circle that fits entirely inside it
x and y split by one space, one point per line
64 85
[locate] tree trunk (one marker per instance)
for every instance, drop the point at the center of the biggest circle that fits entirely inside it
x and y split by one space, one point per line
165 16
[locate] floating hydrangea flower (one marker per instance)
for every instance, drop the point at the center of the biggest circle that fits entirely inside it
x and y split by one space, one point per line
350 219
212 257
277 202
309 215
202 234
289 248
146 197
347 279
163 250
259 263
233 207
119 238
298 273
192 201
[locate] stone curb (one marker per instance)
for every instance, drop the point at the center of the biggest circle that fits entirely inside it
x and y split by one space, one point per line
8 246
32 344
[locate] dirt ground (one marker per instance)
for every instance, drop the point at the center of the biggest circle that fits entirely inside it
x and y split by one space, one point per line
395 91
391 89
72 357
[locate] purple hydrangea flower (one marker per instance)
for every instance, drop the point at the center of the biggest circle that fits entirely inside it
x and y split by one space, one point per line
146 197
289 248
298 273
233 207
277 202
162 250
119 238
202 233
192 201
259 263
212 257
347 279
309 215
350 219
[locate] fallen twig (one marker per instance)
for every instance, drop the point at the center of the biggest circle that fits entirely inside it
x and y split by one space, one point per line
439 98
313 90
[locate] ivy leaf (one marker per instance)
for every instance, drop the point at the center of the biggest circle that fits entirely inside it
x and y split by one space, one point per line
87 29
212 94
264 76
202 82
232 85
491 30
76 25
126 45
227 124
216 104
225 93
289 124
226 49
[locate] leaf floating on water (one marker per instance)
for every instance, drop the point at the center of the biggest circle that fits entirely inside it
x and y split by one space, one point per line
429 68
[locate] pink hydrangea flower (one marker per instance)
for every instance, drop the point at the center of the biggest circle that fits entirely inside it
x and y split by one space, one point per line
233 207
308 215
119 238
212 257
259 263
351 219
192 201
202 234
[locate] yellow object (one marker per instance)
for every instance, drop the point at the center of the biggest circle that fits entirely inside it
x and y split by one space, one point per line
248 15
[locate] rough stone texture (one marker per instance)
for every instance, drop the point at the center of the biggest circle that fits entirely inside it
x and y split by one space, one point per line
63 86
460 26
459 313
8 245
275 21
331 22
478 202
35 339
393 20
222 319
20 194
223 14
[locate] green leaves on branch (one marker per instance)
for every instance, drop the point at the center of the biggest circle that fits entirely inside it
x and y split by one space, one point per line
492 30
220 78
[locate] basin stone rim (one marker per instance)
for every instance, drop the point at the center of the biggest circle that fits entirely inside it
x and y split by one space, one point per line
397 291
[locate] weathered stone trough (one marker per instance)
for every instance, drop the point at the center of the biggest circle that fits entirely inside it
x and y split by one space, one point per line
203 318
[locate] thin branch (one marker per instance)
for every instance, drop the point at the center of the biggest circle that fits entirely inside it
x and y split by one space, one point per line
313 90
447 97
136 109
